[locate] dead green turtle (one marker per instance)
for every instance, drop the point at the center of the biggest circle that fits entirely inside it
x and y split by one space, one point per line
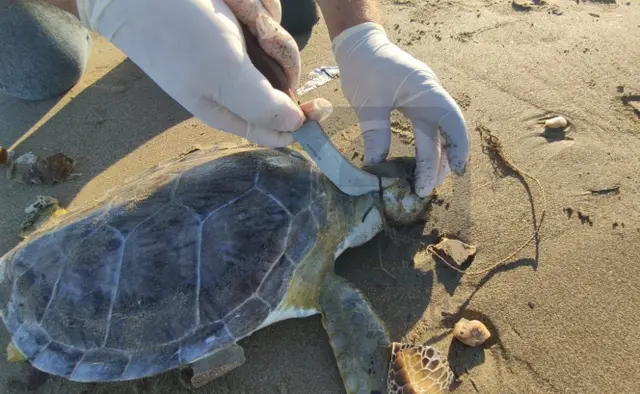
174 267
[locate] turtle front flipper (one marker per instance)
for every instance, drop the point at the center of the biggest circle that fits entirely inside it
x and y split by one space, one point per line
367 359
212 366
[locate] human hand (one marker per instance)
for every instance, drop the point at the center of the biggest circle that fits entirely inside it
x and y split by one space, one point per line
195 51
377 77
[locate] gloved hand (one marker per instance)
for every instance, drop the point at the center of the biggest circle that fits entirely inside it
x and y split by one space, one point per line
195 51
377 77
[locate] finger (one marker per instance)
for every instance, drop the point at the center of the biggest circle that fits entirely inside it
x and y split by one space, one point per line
264 23
247 10
274 8
269 138
317 109
221 118
375 124
249 95
376 146
443 168
428 154
281 46
454 130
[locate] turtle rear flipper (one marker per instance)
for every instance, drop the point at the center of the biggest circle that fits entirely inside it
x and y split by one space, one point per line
212 366
368 361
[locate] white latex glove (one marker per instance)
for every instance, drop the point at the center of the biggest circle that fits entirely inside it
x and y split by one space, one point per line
377 77
195 51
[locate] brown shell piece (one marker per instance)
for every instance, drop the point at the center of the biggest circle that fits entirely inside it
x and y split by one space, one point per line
418 369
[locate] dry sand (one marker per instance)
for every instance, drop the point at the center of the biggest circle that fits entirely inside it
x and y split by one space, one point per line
565 311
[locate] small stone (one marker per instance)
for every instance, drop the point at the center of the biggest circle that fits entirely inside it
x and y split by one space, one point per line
531 304
455 252
521 5
471 332
558 122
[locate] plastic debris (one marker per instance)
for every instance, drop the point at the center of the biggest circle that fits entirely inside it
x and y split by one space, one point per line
319 77
38 213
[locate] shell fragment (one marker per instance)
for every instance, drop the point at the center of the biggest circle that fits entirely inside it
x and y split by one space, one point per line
558 122
471 332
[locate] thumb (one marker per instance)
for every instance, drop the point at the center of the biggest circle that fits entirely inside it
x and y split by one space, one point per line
250 96
375 125
219 117
317 109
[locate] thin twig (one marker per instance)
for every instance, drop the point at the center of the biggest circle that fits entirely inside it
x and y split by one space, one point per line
601 191
496 146
473 383
382 265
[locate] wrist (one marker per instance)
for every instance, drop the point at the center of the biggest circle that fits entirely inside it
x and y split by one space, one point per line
341 15
107 17
356 34
68 5
89 11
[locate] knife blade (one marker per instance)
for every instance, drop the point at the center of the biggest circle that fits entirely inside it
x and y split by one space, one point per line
343 173
316 143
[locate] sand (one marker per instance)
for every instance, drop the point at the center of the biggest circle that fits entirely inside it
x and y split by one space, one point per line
564 310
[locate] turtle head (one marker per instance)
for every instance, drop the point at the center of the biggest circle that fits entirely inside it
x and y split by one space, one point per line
402 205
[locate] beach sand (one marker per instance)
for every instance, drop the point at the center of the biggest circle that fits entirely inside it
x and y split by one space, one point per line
564 310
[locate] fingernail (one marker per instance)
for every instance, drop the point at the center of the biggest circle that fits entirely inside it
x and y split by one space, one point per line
459 167
322 109
376 146
423 192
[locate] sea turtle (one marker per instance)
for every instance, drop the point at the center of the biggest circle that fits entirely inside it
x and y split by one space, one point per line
174 267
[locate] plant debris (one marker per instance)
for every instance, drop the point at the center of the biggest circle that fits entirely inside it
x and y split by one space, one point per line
604 190
4 156
31 169
503 165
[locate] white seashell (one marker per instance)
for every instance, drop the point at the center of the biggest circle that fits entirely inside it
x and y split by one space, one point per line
559 122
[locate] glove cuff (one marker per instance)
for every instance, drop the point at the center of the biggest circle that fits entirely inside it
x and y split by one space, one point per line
360 30
90 12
